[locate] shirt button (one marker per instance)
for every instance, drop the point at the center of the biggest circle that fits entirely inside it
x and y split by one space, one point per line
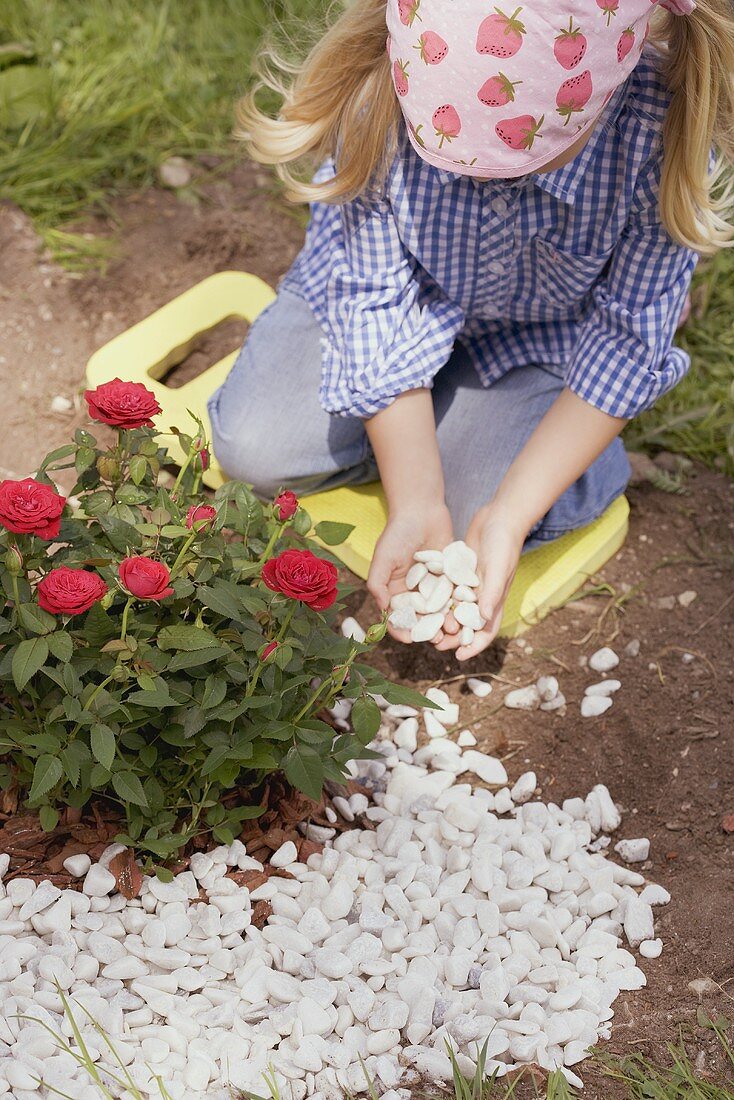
499 206
496 267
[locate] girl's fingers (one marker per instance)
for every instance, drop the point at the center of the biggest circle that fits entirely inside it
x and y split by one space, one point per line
451 626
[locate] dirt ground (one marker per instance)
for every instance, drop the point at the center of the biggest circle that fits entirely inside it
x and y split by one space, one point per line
665 749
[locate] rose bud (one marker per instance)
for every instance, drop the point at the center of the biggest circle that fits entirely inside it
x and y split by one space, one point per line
267 651
14 561
123 404
145 578
301 575
202 459
376 632
201 515
285 505
67 591
29 507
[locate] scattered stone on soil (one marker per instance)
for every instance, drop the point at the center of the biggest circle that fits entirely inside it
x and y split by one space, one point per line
633 851
592 706
604 660
175 172
480 688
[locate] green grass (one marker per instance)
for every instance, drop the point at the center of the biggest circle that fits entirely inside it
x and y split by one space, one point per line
123 86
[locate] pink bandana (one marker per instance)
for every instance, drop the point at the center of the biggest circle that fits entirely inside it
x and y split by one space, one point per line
502 91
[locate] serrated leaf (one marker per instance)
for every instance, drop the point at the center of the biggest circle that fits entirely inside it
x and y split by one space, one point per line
102 740
187 637
333 533
29 657
98 626
35 620
46 774
305 770
397 693
365 718
138 469
215 690
129 788
61 645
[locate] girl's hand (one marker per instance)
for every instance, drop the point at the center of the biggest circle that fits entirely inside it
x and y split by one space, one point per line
498 541
413 527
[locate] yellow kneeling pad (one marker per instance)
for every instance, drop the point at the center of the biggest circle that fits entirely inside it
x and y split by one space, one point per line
545 578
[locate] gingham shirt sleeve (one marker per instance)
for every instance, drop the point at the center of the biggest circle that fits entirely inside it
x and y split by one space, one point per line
386 331
624 359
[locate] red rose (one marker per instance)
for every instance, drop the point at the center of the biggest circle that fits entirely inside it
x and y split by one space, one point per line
203 459
267 651
145 578
300 575
67 591
123 404
28 507
286 505
200 514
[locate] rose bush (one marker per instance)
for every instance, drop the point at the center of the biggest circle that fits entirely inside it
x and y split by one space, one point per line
167 652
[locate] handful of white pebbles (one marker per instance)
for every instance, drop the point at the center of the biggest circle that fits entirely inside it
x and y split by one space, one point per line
440 581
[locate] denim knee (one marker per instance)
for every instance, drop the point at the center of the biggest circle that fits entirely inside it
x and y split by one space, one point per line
243 445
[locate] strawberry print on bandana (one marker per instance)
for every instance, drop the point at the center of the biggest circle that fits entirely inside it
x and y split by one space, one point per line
500 90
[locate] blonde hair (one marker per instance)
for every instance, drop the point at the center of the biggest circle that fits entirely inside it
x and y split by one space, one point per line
340 103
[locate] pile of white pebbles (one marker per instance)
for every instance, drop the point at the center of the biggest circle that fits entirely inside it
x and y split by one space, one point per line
440 581
450 914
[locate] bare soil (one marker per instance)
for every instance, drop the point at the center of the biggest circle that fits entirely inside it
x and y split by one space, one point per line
665 749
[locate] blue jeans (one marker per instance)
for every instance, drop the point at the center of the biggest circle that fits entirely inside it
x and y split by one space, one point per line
269 430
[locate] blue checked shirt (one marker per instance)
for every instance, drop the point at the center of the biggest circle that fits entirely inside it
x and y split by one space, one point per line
570 269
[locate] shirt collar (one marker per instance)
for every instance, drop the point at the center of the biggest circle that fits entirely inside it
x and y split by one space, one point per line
562 183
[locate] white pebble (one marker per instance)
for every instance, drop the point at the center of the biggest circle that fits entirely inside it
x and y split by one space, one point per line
524 788
99 882
604 687
350 628
415 575
78 865
651 949
427 627
468 614
466 739
285 855
480 688
633 851
604 660
489 769
527 698
592 706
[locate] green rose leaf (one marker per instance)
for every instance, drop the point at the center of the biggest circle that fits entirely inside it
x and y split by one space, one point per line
29 657
138 469
333 533
61 645
305 770
187 637
129 788
35 619
102 741
366 718
46 774
396 693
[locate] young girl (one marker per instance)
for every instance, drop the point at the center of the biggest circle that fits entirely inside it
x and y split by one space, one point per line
504 225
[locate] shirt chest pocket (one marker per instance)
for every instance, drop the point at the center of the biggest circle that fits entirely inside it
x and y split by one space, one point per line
563 277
